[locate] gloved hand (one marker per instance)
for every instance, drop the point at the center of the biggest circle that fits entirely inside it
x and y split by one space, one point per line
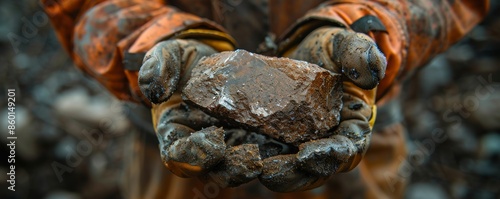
166 67
357 57
191 142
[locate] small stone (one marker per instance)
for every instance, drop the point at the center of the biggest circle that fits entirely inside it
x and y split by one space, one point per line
241 165
289 100
425 190
268 147
282 174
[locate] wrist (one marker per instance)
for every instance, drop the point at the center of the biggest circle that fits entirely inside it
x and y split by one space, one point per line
219 41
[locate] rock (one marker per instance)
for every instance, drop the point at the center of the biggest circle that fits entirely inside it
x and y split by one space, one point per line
289 100
241 165
268 147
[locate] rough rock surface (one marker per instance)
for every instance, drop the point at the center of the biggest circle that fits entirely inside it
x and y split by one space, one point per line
241 164
276 172
289 100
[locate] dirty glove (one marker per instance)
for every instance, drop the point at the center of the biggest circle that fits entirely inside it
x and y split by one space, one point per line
191 142
357 57
343 51
166 67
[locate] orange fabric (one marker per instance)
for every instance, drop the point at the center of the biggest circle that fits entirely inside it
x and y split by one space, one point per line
416 30
97 34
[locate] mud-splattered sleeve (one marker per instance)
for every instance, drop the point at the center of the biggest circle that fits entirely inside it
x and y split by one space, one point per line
416 30
106 38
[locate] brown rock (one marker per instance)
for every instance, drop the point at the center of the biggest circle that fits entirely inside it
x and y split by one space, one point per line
289 100
241 164
282 173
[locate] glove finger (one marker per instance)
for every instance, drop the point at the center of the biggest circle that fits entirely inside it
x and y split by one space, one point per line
180 121
355 108
167 66
353 129
282 173
355 116
160 71
184 151
241 164
171 132
325 157
359 58
193 155
189 116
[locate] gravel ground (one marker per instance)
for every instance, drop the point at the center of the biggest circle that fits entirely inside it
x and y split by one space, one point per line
457 94
60 112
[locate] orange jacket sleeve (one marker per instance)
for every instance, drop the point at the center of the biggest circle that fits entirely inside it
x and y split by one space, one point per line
416 30
106 38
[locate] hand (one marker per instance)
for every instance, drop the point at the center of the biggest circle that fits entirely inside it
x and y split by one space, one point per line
167 67
357 57
191 144
345 52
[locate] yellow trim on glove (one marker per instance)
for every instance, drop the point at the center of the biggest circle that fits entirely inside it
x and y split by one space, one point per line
158 109
374 116
366 95
218 40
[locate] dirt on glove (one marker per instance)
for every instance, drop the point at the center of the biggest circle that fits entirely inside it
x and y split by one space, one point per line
289 100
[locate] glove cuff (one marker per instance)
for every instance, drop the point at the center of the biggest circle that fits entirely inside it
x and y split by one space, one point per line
219 41
303 27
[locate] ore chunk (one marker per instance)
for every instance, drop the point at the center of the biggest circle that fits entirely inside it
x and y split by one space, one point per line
268 146
242 164
289 100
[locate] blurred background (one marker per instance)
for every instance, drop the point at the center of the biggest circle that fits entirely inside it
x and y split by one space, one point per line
451 110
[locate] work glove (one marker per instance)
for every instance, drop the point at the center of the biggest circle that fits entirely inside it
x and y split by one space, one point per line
166 68
356 56
191 143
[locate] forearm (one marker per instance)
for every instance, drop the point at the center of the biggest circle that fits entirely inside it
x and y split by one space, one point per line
106 39
415 30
